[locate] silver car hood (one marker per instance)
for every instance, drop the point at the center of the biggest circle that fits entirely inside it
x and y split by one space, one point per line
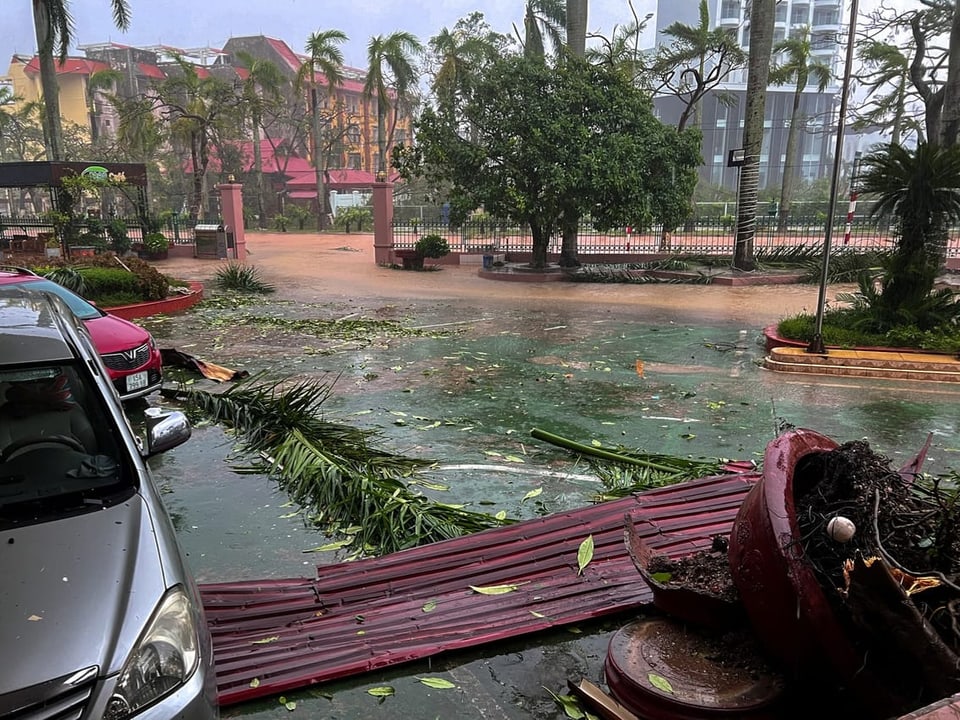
76 592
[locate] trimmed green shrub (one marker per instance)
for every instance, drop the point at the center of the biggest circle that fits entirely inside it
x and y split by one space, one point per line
432 246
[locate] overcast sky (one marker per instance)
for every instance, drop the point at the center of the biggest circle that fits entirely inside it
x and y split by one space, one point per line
196 23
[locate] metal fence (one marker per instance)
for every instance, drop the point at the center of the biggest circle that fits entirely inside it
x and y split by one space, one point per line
702 236
28 229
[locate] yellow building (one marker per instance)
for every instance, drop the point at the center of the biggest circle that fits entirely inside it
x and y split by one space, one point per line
73 77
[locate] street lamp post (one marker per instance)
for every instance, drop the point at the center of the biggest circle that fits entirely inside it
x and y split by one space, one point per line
816 343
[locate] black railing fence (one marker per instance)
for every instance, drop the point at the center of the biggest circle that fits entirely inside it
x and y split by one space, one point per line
703 235
178 231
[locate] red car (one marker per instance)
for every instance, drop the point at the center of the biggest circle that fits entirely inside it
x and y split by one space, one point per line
129 352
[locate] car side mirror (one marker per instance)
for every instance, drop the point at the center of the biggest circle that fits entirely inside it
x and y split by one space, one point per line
165 430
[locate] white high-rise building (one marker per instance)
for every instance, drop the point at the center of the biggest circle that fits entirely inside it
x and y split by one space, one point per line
722 124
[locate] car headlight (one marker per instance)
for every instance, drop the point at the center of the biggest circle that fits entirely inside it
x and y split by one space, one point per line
152 342
162 660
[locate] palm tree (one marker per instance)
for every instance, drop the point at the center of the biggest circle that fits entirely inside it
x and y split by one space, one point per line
262 87
920 189
621 50
325 57
889 70
575 17
800 66
54 30
542 18
105 79
576 25
390 72
762 17
715 53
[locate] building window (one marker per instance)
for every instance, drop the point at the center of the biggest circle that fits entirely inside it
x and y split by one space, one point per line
354 161
824 16
721 122
730 9
800 15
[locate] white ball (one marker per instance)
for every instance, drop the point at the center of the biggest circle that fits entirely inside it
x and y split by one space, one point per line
841 529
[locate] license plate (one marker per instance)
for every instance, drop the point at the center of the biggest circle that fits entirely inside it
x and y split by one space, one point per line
137 381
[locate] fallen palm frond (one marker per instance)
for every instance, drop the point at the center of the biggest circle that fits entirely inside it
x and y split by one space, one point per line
624 471
332 469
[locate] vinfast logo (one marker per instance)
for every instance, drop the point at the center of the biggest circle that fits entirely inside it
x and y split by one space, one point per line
96 172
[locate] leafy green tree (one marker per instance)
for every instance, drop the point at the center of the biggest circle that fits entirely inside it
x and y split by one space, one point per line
920 189
263 86
762 16
552 139
390 72
54 30
325 56
799 68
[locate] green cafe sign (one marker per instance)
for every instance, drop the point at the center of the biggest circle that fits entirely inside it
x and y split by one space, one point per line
96 172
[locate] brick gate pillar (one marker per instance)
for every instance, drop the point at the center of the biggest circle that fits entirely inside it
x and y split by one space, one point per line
231 210
383 223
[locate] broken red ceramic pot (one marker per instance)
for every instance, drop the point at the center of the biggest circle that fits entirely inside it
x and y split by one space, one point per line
788 609
692 605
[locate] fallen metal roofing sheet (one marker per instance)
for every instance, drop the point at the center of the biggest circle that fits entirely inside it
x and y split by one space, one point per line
278 635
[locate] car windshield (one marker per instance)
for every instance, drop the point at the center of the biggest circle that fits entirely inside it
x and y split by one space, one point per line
80 307
60 453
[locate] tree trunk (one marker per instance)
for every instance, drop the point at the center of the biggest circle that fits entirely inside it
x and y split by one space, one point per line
316 139
577 26
258 170
541 242
950 118
569 225
52 126
758 71
381 137
797 120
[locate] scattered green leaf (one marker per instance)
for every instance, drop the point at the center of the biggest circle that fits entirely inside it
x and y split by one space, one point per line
660 683
584 554
532 494
436 683
381 691
429 606
496 589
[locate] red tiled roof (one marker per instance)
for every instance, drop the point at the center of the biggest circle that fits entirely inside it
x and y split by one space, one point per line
242 73
151 71
312 624
284 51
202 72
72 66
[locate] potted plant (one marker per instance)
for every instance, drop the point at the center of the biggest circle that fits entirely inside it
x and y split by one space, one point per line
52 247
155 246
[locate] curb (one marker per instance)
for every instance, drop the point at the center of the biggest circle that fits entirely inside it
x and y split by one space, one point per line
174 304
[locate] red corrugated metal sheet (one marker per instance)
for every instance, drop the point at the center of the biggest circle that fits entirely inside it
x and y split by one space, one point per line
360 616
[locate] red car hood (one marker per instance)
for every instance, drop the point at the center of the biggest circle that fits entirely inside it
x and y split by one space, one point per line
112 334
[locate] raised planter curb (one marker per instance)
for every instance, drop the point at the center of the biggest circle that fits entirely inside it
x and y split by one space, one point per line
173 304
772 340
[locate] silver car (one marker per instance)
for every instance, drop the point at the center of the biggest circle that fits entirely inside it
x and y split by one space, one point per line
99 617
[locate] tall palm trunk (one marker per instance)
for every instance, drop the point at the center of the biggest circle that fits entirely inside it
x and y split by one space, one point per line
758 71
381 135
52 128
258 169
316 138
576 26
797 121
950 118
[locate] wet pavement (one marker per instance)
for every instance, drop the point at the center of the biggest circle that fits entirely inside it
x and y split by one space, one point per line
663 368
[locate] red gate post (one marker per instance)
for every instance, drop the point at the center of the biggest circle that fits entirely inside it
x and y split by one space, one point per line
383 223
